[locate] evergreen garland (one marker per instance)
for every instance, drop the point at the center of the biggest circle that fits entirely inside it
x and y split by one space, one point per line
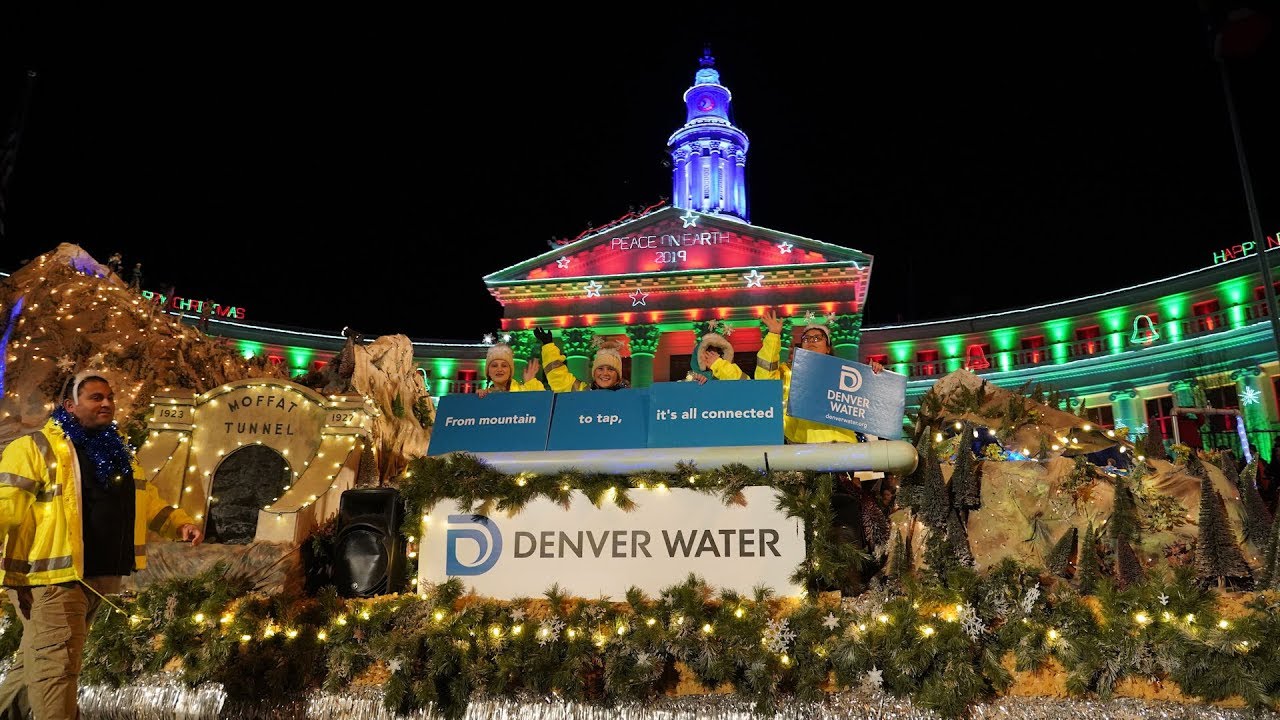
1269 574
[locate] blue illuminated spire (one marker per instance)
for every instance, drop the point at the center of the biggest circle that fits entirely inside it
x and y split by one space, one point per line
709 153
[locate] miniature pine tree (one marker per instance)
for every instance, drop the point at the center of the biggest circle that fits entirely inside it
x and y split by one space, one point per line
964 478
939 556
935 495
1269 575
1087 567
911 489
1059 561
1217 554
1257 520
901 566
1124 515
1128 568
1153 445
958 539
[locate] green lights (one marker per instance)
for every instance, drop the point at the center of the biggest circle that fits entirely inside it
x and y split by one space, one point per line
1004 339
1173 307
952 346
1058 331
902 352
1116 320
249 348
1235 292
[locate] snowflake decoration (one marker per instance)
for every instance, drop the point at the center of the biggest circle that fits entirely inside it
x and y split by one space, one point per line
506 337
394 665
785 248
689 219
970 622
593 289
487 339
831 622
549 630
1250 396
999 603
874 678
754 278
637 298
643 659
171 607
517 615
66 364
778 636
593 612
563 262
97 360
1164 599
1029 600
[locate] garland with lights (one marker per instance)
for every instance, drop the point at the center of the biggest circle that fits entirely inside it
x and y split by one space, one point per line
945 639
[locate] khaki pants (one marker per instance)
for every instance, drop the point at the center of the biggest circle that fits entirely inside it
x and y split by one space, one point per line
45 673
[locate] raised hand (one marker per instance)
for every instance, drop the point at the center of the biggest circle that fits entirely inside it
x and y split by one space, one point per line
772 322
876 367
531 369
543 335
706 359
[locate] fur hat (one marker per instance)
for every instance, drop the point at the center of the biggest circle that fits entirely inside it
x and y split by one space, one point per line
714 339
607 354
811 322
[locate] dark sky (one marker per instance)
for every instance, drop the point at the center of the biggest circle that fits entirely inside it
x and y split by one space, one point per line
367 169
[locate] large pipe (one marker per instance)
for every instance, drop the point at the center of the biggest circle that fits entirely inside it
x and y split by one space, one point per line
893 456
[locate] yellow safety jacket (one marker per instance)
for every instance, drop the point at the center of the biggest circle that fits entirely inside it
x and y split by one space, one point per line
41 517
517 386
558 375
796 430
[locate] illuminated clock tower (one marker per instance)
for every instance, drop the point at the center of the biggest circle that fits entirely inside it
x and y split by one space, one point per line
709 154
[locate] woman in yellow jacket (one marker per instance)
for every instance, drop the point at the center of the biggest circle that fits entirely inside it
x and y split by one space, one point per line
499 366
606 367
815 337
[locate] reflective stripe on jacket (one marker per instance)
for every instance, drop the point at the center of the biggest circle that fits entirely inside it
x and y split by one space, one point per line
41 517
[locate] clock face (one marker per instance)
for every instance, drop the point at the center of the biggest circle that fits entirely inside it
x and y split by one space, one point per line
706 103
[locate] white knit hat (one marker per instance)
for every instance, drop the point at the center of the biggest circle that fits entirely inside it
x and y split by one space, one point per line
499 350
714 339
607 354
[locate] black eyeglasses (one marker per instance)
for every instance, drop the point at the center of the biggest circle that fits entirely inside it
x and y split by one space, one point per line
813 338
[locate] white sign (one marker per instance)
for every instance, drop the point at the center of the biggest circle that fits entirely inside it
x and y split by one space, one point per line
601 552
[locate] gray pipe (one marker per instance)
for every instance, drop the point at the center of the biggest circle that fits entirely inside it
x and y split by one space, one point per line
895 456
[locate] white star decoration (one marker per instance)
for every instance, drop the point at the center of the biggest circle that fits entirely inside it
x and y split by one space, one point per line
831 622
394 665
1250 396
754 279
637 298
487 339
593 289
564 262
874 677
785 248
65 363
689 219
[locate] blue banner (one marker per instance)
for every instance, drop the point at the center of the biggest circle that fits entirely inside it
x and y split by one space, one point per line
502 421
845 393
686 414
600 419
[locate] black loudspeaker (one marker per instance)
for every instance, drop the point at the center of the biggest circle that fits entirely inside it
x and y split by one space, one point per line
369 554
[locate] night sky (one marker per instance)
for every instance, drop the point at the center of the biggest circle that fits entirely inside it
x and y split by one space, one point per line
988 158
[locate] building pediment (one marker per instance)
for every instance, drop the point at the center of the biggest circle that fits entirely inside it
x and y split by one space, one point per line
675 240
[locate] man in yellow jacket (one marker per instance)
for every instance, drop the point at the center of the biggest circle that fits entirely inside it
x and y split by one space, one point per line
74 513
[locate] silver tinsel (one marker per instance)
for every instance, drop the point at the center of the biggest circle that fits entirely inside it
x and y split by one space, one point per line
167 699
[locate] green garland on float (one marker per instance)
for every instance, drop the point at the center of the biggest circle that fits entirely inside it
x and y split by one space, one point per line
946 642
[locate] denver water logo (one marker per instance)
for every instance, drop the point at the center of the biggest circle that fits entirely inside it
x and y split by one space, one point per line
484 533
850 379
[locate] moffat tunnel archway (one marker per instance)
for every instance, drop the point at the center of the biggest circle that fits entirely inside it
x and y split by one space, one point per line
255 459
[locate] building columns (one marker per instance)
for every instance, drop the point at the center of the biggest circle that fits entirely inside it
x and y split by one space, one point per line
1128 410
643 341
1258 405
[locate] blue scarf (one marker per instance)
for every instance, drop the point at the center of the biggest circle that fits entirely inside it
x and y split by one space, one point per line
108 454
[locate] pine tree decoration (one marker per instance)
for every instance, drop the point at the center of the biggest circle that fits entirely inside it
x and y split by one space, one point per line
1217 554
1124 515
924 490
964 478
958 539
1087 567
911 488
901 566
1257 519
1128 568
939 555
875 526
1269 575
1059 560
1153 445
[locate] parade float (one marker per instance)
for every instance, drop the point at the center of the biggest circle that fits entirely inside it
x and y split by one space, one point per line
1027 559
